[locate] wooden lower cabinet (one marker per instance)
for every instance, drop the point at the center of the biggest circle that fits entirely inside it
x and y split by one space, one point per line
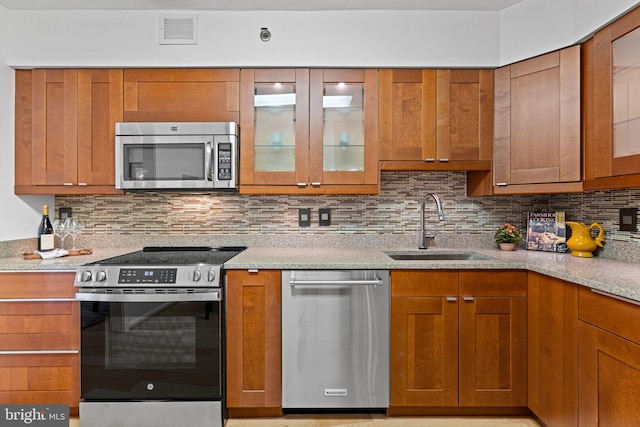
458 340
39 339
609 376
553 350
253 363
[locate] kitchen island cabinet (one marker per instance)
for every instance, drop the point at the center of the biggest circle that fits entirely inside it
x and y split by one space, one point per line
553 350
253 341
309 131
458 341
537 132
609 346
39 339
65 128
181 95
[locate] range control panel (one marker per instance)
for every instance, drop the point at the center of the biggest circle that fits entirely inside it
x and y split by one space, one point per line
147 275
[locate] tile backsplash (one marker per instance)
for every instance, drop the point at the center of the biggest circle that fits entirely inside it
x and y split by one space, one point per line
392 214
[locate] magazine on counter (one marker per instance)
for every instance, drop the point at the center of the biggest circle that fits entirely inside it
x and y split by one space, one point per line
547 231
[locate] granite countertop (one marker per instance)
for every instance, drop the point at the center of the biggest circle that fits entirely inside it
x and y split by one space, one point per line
618 278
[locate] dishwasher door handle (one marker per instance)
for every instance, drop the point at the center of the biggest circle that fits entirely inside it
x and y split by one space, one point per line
373 282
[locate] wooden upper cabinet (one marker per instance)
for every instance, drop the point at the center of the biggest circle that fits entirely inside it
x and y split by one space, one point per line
436 119
612 117
309 131
54 127
537 132
182 95
65 122
99 109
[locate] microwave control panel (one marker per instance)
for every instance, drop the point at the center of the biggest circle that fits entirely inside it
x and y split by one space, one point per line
224 161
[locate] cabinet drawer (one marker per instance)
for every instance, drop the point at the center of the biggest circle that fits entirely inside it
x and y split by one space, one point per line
39 325
40 379
493 283
611 314
37 284
412 283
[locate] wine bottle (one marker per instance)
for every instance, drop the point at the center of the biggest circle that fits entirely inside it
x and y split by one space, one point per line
45 231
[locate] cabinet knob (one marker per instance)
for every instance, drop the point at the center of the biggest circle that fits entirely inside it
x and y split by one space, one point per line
429 159
452 299
501 184
316 184
444 159
68 184
302 184
468 299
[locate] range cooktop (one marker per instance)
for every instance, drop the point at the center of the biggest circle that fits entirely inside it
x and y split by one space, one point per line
175 255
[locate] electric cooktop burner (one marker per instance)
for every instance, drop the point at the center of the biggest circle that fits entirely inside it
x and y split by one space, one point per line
175 255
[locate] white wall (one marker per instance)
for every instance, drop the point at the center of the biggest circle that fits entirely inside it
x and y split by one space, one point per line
534 27
348 38
19 216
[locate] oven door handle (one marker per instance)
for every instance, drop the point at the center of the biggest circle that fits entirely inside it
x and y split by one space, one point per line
96 297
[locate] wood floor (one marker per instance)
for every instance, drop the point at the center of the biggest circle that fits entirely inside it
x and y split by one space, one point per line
373 421
381 421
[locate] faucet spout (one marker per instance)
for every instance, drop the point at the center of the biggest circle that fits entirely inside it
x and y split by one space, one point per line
423 236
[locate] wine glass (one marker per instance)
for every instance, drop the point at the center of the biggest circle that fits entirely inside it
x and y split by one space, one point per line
74 227
60 230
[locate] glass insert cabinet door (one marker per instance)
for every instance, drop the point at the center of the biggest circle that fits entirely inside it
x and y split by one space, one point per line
626 100
274 126
344 126
309 127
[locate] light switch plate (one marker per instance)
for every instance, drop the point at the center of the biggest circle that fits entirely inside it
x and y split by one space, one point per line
629 219
304 217
325 216
65 213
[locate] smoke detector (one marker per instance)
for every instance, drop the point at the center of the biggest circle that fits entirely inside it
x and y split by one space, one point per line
178 29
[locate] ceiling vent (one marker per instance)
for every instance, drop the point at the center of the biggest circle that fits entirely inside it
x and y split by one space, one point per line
179 29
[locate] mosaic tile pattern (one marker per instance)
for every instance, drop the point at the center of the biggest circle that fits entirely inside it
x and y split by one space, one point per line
393 212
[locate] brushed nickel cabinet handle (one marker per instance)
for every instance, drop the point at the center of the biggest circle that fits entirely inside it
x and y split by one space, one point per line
429 159
501 184
452 299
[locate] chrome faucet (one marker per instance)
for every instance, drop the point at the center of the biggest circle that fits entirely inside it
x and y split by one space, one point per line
423 237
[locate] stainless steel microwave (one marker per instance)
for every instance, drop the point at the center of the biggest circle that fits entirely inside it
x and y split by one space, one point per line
177 156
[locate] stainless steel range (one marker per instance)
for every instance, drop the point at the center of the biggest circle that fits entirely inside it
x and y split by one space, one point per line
152 338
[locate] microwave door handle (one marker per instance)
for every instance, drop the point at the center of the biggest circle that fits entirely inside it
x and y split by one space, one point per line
208 161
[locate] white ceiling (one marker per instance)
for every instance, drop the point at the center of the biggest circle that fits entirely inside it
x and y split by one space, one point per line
248 5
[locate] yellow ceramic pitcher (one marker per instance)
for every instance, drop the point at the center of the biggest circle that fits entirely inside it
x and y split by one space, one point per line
581 243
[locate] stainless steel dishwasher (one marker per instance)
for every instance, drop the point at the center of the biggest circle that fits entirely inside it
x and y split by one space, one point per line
335 339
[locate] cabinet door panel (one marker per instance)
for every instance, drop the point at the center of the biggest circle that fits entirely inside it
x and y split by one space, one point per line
493 351
537 123
54 127
254 148
609 379
424 362
189 95
99 109
552 311
407 114
253 339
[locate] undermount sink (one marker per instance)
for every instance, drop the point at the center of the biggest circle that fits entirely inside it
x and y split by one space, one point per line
438 256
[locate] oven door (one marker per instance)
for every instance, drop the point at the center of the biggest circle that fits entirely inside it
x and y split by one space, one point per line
164 162
151 347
